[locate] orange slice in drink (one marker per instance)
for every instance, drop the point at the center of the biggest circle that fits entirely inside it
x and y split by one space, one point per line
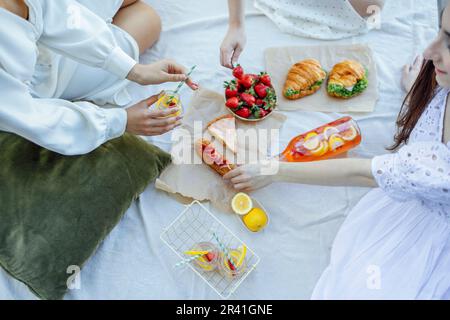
349 134
194 253
312 141
335 142
321 150
329 131
240 260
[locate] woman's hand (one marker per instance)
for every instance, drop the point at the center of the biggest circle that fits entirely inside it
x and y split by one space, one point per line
251 177
410 73
160 72
142 121
232 46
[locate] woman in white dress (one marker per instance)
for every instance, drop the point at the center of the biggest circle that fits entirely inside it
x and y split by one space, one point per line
319 19
395 243
56 52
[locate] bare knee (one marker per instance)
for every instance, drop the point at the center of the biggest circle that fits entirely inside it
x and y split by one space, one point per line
153 18
150 21
126 3
142 22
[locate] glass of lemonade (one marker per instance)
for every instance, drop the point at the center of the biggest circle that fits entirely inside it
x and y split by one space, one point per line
167 100
207 262
227 269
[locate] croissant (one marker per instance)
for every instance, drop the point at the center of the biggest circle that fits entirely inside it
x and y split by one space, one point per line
347 79
304 78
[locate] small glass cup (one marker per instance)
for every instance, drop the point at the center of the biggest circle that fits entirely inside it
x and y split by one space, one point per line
167 100
227 269
207 262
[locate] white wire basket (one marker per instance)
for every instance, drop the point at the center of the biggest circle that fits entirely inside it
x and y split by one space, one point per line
197 224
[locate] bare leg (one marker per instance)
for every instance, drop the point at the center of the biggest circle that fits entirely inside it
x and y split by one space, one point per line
141 21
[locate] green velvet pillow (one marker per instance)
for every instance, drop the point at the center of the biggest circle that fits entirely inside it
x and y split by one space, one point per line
55 210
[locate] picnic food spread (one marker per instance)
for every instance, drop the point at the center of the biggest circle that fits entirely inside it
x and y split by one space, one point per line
347 79
250 97
325 142
303 79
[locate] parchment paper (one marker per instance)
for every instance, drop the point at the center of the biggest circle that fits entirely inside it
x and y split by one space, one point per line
279 61
187 181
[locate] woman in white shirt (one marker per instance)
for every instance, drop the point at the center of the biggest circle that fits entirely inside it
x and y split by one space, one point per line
395 243
43 45
319 19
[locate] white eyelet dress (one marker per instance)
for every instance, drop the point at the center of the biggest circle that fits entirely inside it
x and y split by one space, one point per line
318 19
395 243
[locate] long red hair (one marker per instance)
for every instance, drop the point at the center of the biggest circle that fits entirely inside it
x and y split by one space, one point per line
415 103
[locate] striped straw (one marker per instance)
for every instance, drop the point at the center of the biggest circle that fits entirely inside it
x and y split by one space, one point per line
224 250
181 84
186 261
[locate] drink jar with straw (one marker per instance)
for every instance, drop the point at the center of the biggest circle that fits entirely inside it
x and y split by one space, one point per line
171 99
232 263
207 255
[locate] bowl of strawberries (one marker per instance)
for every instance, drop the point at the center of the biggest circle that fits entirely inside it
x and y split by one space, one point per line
250 97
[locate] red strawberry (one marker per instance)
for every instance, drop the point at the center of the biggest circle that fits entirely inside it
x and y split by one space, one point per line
263 113
238 72
259 102
265 78
261 90
247 81
210 256
248 99
232 103
230 89
229 93
244 112
255 77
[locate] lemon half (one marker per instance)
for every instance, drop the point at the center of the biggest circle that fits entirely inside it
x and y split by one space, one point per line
241 203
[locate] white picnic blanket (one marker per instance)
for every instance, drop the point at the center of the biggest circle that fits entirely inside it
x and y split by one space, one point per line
133 263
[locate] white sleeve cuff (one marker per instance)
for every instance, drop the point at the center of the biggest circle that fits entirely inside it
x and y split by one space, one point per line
388 176
382 167
116 120
119 63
